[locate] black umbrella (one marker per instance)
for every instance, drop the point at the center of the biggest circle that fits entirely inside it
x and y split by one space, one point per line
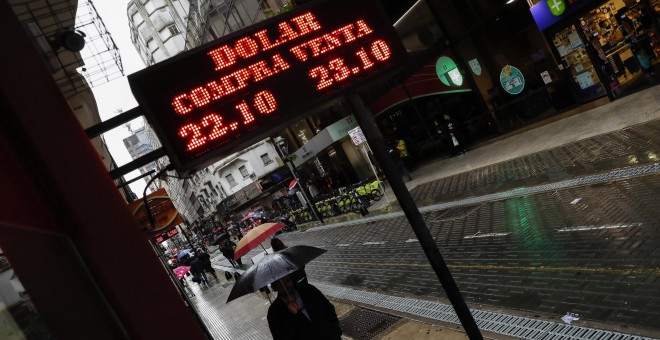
221 237
272 268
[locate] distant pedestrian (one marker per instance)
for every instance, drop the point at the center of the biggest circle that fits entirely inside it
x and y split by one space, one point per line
227 248
394 154
450 135
206 260
197 270
403 153
299 277
302 313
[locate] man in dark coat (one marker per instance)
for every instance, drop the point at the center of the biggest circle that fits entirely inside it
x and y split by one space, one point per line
302 313
197 270
227 249
206 260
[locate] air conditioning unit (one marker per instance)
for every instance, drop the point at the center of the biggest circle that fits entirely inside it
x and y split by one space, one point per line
253 176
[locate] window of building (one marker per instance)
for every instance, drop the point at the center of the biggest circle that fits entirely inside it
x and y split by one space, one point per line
151 44
231 180
193 198
244 171
173 29
149 7
266 159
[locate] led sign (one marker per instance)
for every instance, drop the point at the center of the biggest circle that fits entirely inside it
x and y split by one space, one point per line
165 236
218 98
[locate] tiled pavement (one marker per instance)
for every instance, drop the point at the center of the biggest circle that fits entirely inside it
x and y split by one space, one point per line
597 255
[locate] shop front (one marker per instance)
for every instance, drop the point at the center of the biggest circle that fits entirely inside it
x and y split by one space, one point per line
603 46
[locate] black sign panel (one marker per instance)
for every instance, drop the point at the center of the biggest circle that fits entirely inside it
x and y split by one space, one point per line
214 100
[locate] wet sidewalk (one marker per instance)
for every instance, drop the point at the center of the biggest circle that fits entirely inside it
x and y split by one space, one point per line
620 136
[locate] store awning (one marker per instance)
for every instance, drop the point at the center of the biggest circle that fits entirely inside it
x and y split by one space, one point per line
425 82
334 132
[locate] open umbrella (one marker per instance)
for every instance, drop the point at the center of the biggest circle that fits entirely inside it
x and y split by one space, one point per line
183 253
254 237
181 271
272 268
248 216
293 184
220 238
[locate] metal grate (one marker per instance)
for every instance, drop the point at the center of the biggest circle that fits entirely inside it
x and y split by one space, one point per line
511 325
364 324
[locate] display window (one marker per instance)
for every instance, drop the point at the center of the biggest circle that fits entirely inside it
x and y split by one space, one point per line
515 71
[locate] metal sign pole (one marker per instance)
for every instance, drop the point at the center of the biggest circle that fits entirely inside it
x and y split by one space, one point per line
366 120
381 188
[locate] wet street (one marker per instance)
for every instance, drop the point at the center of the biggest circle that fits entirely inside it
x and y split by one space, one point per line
572 229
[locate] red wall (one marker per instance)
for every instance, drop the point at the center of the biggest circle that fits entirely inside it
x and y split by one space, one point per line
63 225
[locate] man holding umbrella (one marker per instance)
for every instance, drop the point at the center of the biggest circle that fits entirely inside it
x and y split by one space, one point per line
302 313
297 312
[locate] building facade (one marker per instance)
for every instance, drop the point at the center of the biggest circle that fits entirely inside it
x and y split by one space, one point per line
161 29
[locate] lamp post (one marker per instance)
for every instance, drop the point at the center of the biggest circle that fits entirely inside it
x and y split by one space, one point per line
282 148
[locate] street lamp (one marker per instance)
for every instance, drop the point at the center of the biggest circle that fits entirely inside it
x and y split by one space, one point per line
282 148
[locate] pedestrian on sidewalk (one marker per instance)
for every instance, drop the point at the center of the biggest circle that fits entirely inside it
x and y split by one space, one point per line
197 270
299 277
403 153
394 154
206 260
302 313
227 248
450 136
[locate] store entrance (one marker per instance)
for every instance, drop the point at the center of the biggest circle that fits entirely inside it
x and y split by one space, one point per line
572 48
610 29
607 49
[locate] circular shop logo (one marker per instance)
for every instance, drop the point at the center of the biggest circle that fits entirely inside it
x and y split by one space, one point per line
448 72
557 7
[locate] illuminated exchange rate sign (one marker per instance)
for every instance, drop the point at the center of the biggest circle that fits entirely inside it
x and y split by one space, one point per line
216 99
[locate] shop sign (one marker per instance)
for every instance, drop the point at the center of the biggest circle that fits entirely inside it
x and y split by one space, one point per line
336 131
162 209
357 136
448 72
512 80
218 98
242 196
545 75
166 235
339 129
549 12
475 66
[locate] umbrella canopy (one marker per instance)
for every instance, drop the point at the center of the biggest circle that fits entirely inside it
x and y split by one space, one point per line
183 253
181 271
221 237
293 184
254 237
272 268
248 216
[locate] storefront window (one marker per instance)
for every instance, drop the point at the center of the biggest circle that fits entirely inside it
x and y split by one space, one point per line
507 42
